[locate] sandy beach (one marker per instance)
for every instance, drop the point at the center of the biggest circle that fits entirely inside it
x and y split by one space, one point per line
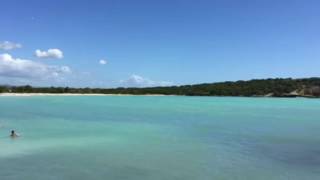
72 94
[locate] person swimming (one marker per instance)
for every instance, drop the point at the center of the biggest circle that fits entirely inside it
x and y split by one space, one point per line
13 134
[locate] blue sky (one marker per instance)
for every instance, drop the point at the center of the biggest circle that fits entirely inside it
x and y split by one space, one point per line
150 43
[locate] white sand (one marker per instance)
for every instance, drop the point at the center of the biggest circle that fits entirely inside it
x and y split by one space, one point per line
71 94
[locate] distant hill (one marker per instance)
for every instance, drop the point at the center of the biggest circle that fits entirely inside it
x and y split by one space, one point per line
279 87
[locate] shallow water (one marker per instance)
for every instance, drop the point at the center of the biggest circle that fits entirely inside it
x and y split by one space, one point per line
159 138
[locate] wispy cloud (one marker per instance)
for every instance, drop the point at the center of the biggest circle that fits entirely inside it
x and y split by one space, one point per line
50 53
139 81
7 45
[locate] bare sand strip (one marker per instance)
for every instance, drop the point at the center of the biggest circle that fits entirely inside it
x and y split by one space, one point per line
72 94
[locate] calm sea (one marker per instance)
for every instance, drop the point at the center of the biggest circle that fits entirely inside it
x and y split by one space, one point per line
159 138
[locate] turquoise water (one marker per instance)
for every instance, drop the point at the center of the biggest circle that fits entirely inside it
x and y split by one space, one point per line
159 138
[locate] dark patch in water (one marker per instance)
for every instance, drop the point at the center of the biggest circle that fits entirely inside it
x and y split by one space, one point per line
302 155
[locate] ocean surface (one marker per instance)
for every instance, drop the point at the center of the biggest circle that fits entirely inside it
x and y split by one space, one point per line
159 138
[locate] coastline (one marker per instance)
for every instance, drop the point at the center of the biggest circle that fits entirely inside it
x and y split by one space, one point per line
74 94
96 94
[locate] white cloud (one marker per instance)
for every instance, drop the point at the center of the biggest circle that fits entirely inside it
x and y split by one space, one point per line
65 69
7 45
102 62
27 69
50 53
138 81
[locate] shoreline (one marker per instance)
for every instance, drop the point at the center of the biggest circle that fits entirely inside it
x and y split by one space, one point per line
95 94
75 94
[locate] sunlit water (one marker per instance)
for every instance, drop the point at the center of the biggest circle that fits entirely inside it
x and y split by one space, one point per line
159 138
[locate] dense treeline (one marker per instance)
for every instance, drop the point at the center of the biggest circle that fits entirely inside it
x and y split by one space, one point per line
262 87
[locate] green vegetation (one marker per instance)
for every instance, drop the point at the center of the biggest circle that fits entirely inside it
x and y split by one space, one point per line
279 87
